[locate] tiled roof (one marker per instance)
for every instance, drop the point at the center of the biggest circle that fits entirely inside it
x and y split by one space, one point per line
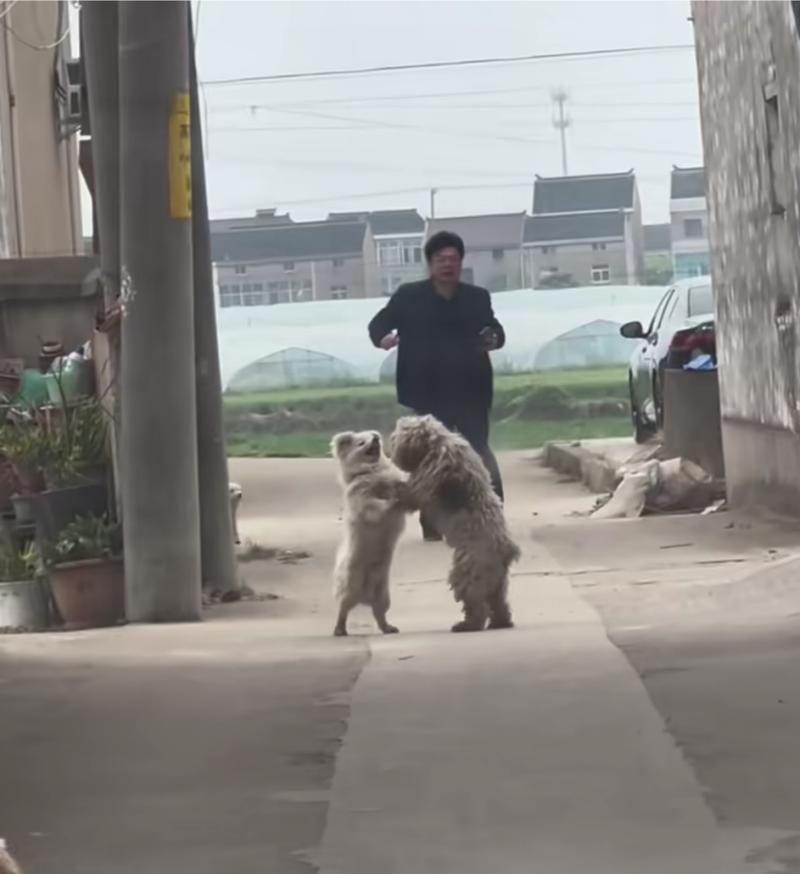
583 193
577 226
688 182
297 242
482 232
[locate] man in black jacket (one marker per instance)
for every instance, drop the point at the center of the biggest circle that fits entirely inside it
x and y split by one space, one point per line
444 331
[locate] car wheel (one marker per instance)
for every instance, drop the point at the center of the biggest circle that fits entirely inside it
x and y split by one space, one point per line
641 431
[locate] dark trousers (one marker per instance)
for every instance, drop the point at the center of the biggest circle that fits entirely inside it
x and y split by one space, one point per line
473 425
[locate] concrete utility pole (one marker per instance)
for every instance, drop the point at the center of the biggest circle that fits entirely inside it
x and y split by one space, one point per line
434 192
216 528
561 122
161 514
100 35
99 24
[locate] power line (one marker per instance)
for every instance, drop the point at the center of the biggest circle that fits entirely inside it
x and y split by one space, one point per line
388 98
439 65
8 7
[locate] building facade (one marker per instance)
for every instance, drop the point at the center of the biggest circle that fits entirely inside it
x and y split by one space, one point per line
293 263
689 222
39 193
748 57
268 258
585 230
493 246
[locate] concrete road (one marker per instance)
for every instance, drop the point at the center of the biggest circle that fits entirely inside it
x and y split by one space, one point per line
256 742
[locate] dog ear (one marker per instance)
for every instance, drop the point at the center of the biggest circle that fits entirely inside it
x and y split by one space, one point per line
342 442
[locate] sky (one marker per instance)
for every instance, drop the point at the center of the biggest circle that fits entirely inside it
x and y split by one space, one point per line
316 146
478 134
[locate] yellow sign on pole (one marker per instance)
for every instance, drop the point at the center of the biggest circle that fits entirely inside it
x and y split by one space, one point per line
180 158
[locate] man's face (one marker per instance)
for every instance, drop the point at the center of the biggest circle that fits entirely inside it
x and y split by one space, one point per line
446 265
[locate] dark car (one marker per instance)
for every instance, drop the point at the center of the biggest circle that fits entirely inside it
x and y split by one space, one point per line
682 328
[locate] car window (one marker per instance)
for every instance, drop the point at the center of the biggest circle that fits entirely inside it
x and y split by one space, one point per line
671 309
669 303
659 313
701 300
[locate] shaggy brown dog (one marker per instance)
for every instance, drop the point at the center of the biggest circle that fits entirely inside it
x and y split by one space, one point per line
375 506
449 482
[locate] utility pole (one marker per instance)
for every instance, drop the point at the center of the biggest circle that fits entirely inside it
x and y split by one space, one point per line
100 37
161 515
561 122
216 527
434 192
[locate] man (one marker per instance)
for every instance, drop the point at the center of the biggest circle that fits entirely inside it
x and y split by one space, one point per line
444 330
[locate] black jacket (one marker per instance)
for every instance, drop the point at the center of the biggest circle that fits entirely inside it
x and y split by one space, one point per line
440 358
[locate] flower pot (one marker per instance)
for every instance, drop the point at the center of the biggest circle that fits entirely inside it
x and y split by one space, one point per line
89 594
24 509
86 476
24 606
56 508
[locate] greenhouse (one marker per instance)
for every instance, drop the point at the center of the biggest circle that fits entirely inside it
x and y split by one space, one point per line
291 368
326 342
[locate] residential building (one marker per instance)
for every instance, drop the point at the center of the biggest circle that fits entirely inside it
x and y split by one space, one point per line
493 245
39 194
290 263
657 254
585 230
748 58
398 236
689 222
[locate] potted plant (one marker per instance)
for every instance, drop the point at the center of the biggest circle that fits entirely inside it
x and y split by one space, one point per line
23 594
75 469
27 449
86 573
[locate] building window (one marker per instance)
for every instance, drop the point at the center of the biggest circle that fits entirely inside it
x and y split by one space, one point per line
394 253
598 247
229 296
548 250
498 254
241 269
693 228
288 266
339 292
600 274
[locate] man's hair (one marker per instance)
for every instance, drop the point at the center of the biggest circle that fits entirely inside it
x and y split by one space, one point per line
443 240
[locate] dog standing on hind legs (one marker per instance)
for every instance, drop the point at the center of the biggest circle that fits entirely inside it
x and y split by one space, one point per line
451 485
376 504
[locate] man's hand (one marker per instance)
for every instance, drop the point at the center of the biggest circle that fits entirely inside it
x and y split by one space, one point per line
389 342
489 339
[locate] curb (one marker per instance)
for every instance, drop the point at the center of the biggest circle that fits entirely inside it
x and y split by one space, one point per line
595 471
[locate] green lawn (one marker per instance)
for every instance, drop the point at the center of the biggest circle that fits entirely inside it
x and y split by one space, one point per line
530 409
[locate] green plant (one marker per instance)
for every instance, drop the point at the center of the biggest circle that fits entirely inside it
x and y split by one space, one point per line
80 442
18 565
86 538
29 449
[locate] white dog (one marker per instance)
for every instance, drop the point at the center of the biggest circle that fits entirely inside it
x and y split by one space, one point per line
450 484
375 507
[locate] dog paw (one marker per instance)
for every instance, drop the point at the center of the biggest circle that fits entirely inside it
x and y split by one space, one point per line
466 626
339 632
390 629
495 625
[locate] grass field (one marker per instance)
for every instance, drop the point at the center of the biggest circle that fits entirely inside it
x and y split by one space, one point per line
529 410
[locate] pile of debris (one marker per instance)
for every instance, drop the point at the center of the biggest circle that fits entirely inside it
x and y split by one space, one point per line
651 484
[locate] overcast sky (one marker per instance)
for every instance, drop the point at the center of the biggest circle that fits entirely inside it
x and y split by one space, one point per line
638 112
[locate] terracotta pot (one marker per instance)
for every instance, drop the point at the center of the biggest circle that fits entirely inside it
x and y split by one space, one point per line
89 594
